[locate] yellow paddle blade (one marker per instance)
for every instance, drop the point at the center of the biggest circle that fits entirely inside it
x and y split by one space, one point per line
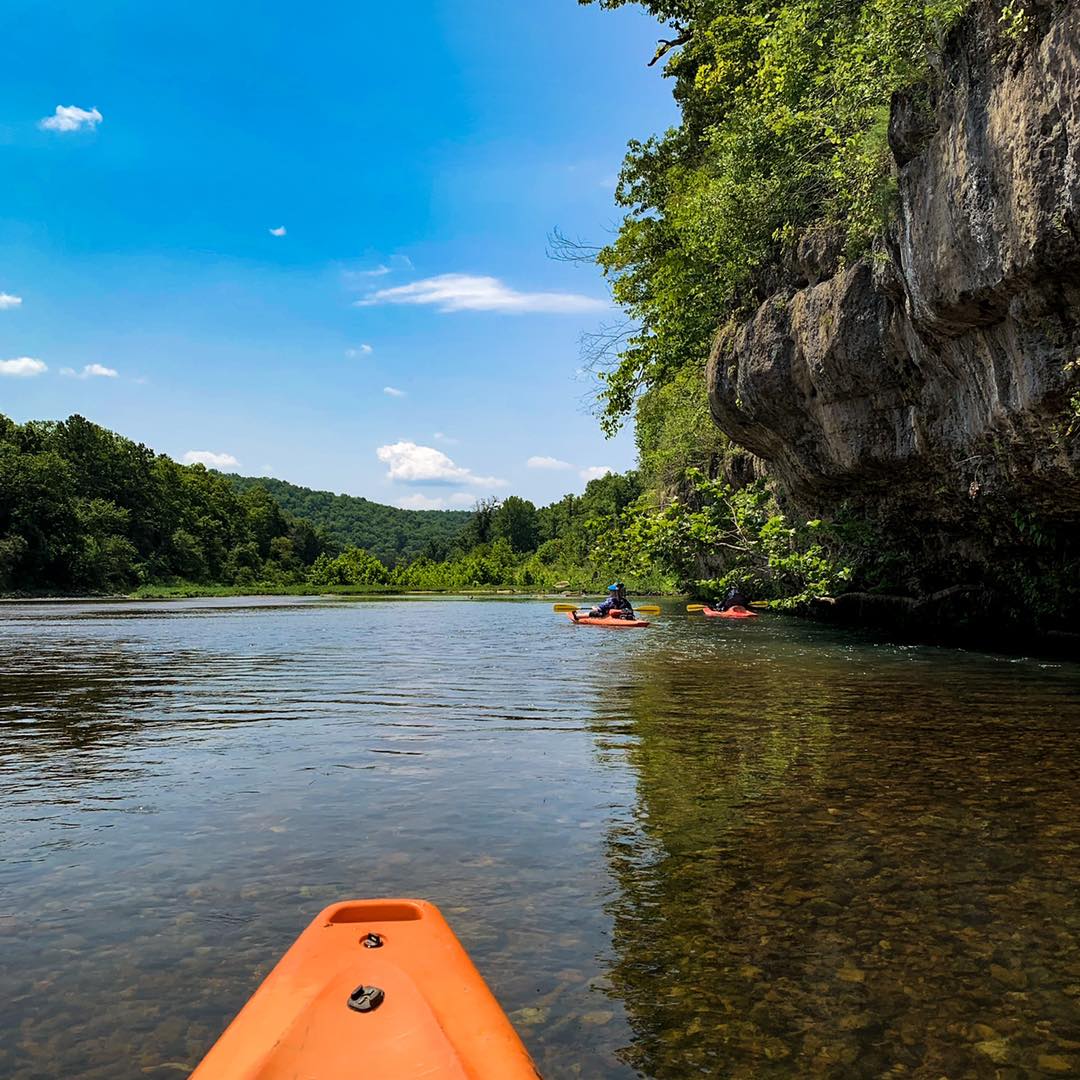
564 607
651 609
695 607
759 603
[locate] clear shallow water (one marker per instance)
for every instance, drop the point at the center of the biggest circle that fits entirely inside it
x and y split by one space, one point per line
718 850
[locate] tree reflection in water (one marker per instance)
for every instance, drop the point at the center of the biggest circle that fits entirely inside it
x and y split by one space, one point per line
849 862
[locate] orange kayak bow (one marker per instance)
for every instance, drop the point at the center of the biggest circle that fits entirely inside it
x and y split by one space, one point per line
378 988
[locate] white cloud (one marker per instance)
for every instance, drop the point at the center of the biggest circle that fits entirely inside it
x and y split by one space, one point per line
441 436
209 459
594 472
279 231
539 462
412 464
419 501
468 292
9 301
91 371
393 391
22 366
71 118
363 350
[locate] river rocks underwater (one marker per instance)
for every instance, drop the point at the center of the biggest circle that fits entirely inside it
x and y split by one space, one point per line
765 850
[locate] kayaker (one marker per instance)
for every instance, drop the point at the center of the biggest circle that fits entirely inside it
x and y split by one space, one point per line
616 605
734 597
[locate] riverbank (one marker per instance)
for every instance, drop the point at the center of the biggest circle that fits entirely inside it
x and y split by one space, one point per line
188 590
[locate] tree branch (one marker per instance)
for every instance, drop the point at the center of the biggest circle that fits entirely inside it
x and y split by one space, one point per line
664 46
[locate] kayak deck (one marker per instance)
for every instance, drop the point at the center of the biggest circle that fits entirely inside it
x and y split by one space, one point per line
735 612
436 1019
606 620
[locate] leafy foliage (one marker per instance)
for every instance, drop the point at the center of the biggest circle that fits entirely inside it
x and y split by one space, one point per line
391 534
674 431
84 509
725 536
784 125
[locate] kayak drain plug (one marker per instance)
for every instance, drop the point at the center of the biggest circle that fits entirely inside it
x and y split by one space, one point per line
366 998
372 941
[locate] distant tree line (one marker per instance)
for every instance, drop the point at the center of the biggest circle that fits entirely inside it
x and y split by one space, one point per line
83 509
392 535
513 543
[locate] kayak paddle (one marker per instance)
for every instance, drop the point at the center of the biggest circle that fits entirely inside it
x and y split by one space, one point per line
702 607
652 609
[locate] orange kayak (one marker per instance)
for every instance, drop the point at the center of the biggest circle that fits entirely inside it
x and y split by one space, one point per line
378 988
735 612
606 620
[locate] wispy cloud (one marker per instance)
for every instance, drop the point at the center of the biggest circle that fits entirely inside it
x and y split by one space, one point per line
210 459
468 292
279 231
71 118
413 464
23 367
363 350
594 472
420 501
91 371
393 391
540 462
441 436
9 301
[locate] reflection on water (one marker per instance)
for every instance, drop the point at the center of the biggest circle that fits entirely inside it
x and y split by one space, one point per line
741 851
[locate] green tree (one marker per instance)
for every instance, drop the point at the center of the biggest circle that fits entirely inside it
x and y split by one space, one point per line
516 522
784 109
478 529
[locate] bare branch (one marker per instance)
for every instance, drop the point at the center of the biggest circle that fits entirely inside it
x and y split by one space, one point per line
600 348
664 46
562 249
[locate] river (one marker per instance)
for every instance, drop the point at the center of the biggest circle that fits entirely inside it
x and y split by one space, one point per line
768 849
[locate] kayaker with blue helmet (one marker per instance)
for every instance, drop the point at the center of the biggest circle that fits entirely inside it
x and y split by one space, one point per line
615 605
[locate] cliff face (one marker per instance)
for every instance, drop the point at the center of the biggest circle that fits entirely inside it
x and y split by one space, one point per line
934 381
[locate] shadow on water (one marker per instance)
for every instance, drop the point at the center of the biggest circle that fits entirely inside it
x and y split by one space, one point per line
850 861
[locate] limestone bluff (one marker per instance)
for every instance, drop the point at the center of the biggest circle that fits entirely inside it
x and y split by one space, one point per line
933 384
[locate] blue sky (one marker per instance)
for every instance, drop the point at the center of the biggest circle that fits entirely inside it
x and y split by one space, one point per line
406 338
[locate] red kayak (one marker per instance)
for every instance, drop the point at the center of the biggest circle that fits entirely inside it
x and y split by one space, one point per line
606 620
735 612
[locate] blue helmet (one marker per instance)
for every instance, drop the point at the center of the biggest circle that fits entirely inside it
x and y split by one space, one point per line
616 587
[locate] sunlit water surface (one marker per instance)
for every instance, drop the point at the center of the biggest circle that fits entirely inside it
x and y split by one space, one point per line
703 849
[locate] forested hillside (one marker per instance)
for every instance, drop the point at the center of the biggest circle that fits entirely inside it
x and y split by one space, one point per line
84 509
391 534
